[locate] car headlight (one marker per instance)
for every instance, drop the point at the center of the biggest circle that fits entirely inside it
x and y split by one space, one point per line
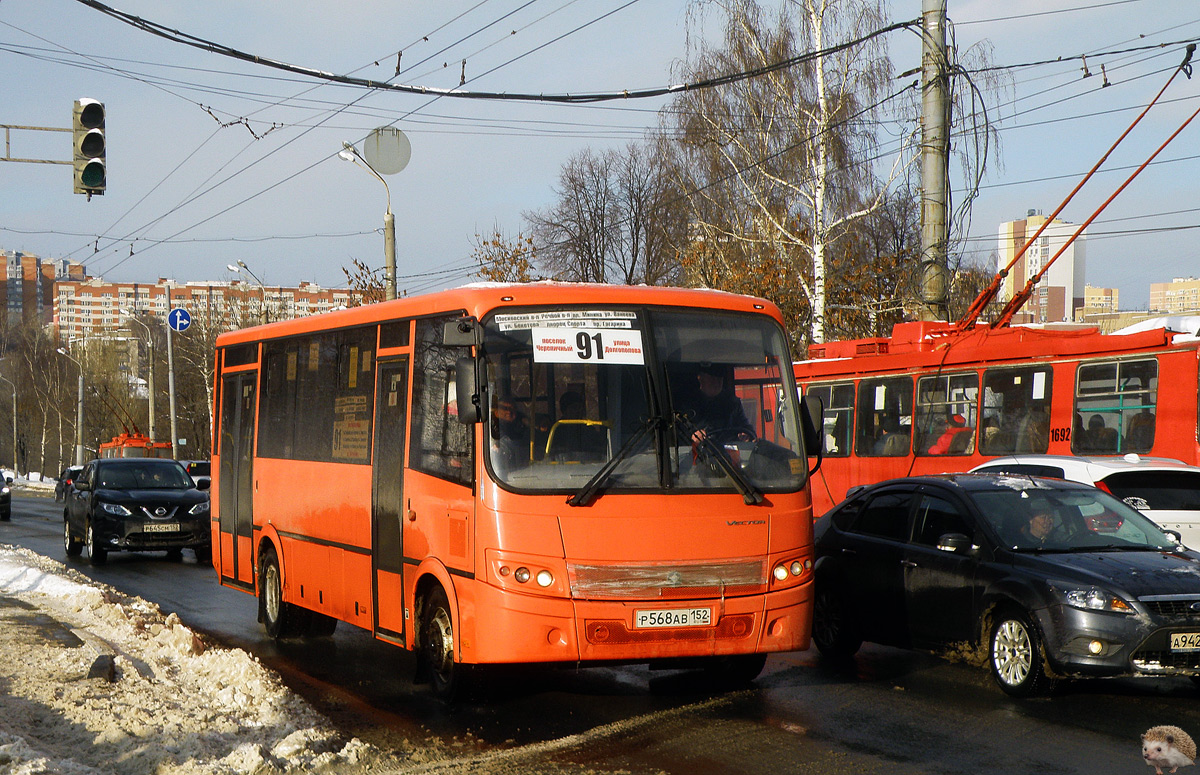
1093 599
5 489
199 508
115 508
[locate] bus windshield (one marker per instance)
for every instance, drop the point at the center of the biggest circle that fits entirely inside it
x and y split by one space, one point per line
655 398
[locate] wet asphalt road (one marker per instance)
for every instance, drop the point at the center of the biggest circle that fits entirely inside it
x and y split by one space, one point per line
887 711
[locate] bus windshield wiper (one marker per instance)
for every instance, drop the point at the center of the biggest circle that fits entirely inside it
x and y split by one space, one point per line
588 492
750 494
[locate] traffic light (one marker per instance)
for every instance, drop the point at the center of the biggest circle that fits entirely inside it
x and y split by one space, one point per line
87 124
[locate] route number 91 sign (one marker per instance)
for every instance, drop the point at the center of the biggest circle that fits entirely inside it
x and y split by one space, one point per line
588 345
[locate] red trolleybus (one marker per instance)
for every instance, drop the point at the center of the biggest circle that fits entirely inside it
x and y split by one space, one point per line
134 445
507 473
933 398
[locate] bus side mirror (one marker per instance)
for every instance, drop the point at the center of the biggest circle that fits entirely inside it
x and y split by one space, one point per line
464 332
466 391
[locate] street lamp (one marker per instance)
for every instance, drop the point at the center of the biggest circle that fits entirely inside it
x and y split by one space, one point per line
350 153
242 269
149 364
79 411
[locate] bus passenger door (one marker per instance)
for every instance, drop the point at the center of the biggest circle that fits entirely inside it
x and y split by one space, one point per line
387 500
236 545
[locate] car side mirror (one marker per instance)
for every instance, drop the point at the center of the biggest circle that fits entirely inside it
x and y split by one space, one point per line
8 480
955 543
82 486
203 484
1176 536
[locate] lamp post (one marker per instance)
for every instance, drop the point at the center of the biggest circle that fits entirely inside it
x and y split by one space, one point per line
242 269
14 413
79 411
149 365
350 153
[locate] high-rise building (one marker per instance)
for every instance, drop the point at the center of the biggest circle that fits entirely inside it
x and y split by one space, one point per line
1098 301
1180 296
27 295
1061 291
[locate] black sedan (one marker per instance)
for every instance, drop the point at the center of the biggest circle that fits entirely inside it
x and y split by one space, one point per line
1044 578
136 504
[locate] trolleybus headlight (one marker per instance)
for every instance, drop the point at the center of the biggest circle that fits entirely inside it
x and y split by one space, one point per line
781 573
545 578
522 575
797 567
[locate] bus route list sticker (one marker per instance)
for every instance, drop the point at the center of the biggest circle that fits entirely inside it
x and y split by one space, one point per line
588 345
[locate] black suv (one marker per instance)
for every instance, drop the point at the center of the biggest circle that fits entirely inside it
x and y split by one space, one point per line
136 504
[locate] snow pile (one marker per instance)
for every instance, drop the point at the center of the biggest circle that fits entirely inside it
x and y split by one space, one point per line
94 681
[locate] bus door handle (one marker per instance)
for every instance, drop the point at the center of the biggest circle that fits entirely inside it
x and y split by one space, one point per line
848 551
909 564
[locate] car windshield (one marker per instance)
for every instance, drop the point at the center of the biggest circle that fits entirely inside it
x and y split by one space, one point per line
143 477
1031 515
569 389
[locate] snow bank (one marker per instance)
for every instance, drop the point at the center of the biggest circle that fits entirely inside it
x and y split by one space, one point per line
175 707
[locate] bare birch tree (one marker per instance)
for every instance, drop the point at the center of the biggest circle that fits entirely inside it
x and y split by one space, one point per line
777 164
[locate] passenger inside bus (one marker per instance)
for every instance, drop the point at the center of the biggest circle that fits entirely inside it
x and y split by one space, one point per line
1139 433
892 441
1100 438
955 440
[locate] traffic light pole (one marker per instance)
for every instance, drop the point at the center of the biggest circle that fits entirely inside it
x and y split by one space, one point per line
8 143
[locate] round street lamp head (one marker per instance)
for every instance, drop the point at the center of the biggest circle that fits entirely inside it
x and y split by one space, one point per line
346 156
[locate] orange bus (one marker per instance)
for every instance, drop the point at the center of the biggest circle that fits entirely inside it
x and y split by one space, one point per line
134 445
515 474
933 398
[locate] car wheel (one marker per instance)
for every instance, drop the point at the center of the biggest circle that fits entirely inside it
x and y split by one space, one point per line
6 515
282 620
97 555
1016 656
73 546
203 555
437 646
832 631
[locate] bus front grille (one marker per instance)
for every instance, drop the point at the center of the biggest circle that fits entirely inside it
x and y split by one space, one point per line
667 580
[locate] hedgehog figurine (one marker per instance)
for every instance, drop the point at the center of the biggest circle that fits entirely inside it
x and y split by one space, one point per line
1167 748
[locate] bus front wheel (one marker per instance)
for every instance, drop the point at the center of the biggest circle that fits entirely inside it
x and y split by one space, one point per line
282 620
437 645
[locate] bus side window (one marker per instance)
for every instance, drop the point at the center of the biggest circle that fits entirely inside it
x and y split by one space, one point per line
1118 398
441 445
838 401
885 417
1017 401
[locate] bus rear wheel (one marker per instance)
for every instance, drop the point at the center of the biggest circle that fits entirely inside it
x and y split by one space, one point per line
437 646
281 619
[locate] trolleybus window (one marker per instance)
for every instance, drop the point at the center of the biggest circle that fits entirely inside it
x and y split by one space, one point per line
571 391
884 417
1016 411
1114 407
838 401
947 414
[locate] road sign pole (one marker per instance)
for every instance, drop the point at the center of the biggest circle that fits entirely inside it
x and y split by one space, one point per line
172 318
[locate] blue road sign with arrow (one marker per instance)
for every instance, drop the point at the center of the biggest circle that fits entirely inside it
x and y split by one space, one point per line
179 319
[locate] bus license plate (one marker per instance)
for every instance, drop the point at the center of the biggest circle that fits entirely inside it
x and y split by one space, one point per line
673 617
1185 641
161 527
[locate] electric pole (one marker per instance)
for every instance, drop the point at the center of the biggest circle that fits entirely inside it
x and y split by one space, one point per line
935 161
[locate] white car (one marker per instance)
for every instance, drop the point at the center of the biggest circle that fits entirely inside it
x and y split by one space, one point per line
1164 489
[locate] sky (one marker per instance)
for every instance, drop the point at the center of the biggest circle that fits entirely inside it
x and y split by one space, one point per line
212 160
